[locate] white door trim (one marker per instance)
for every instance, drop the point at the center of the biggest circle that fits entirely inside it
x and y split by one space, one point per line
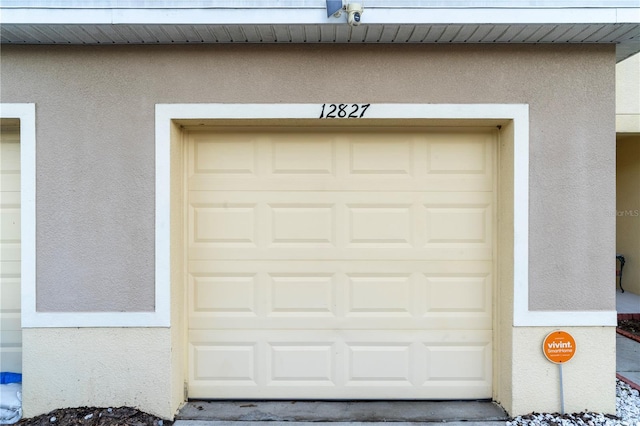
518 113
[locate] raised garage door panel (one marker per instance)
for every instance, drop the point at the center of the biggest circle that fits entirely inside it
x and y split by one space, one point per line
10 331
325 264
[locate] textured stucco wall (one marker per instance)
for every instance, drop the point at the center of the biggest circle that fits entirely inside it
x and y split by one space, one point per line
589 377
95 155
112 367
628 209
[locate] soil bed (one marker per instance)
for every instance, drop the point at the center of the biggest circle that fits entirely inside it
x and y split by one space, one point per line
92 416
630 326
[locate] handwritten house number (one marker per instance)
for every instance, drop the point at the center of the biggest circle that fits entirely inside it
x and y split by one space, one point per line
343 110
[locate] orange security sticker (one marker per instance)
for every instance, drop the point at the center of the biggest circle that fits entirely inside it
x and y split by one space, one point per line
559 347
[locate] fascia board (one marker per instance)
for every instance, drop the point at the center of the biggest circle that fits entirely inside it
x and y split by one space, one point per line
309 4
628 15
317 16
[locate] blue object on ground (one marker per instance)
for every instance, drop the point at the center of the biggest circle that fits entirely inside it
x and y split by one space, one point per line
6 377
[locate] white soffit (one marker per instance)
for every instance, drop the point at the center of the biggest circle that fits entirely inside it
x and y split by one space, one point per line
305 21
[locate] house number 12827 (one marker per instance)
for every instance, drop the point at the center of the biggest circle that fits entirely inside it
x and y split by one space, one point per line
343 110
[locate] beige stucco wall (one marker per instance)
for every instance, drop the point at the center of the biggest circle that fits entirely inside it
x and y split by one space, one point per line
628 95
95 155
112 367
589 377
628 209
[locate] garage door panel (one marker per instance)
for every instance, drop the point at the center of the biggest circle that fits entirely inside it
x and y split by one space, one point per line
381 364
302 156
10 163
301 225
343 197
272 364
228 154
10 181
375 155
381 295
428 322
10 235
375 160
224 295
224 225
439 251
444 293
432 267
459 361
318 295
224 363
302 295
10 323
380 225
450 154
10 224
11 219
352 264
10 287
362 153
11 353
386 391
427 223
300 364
434 184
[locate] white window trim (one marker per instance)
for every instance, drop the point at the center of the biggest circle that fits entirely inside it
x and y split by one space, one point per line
30 317
165 113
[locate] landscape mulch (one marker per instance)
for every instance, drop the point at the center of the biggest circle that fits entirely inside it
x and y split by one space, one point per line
629 328
92 416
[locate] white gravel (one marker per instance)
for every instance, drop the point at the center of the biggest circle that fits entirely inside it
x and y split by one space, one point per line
627 411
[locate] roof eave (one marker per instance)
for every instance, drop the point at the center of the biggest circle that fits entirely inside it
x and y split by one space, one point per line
610 25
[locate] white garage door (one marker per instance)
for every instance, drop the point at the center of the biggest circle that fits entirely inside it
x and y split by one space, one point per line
340 264
10 334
